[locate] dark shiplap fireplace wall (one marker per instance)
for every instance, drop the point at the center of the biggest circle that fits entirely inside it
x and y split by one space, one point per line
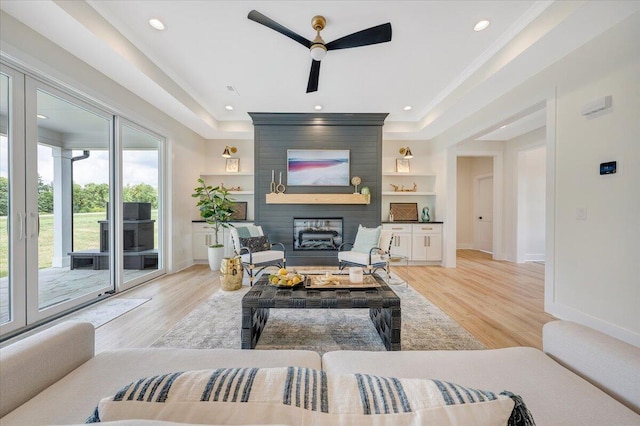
361 134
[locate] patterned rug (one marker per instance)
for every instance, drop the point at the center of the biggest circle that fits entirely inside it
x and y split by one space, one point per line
216 323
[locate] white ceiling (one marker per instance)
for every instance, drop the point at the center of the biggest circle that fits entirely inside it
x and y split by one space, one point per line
435 62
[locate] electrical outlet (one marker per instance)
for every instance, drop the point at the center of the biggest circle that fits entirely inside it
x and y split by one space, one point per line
581 213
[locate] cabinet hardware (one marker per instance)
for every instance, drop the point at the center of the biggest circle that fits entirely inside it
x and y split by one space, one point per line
427 229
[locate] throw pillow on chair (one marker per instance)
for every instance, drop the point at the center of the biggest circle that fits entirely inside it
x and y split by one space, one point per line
256 244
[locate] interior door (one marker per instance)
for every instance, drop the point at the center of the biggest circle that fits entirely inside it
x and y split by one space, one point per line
483 223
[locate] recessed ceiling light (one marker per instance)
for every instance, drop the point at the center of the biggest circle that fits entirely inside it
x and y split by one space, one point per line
228 107
317 107
481 25
502 127
407 108
44 117
156 23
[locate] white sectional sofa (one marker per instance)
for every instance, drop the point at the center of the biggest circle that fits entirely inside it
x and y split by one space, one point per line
582 378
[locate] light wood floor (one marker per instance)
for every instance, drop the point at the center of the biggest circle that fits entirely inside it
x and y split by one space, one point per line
500 303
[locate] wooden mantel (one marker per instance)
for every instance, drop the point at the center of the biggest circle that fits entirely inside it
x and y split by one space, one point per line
273 198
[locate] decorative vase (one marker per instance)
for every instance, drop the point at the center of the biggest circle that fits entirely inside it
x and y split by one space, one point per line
425 214
365 190
215 255
231 273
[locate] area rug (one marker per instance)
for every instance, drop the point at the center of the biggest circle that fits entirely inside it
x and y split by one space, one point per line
216 323
103 312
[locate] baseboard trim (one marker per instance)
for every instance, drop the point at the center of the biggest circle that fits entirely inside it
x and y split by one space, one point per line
534 257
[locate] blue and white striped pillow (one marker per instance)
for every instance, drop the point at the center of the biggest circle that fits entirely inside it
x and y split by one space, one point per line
294 395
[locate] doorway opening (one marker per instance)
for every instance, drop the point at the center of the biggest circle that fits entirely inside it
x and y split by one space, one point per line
475 203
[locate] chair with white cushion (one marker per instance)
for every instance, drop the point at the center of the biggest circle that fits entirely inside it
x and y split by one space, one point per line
255 250
369 250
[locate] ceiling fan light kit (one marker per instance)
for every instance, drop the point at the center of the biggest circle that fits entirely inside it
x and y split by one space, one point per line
318 48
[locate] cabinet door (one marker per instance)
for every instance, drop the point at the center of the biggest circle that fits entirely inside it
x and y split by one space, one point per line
200 244
202 238
434 247
427 242
419 246
401 244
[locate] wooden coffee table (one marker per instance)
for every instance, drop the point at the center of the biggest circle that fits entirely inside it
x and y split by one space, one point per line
383 304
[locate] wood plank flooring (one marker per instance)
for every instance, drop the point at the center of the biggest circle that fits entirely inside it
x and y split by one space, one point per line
500 303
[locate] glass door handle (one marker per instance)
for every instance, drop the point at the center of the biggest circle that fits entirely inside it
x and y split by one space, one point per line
21 225
36 225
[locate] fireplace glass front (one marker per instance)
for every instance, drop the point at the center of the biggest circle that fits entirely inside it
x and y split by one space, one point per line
317 233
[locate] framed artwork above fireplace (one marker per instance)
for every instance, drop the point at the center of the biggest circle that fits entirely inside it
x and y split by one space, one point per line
318 167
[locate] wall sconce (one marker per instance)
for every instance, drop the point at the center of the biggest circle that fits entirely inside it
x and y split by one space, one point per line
406 152
228 150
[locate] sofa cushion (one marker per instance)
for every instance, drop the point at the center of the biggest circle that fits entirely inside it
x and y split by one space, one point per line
296 395
75 396
610 364
553 394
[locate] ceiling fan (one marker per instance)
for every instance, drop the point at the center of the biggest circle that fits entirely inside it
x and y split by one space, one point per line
318 48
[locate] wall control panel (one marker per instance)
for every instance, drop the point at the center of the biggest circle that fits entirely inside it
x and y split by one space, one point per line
608 168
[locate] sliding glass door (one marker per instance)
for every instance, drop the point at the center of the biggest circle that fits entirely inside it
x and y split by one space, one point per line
68 262
12 202
142 155
80 202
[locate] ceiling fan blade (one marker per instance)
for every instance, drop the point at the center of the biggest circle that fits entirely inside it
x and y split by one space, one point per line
258 17
373 35
314 76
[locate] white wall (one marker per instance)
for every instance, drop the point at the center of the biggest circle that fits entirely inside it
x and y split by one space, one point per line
597 268
516 232
591 267
464 198
531 204
185 148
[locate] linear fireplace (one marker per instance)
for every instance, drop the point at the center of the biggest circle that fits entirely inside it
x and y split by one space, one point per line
320 233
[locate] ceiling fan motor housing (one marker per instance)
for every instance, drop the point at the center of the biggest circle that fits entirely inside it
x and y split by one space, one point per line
318 23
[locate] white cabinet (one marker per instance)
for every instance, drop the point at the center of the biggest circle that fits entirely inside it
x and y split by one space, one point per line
401 242
204 236
426 242
420 242
423 196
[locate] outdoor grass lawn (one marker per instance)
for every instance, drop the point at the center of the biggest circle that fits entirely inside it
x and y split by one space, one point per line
86 230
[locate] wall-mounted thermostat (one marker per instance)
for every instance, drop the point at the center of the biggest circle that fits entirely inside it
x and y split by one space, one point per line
608 168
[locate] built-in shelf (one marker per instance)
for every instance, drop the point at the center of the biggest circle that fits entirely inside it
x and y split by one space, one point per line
241 192
317 198
408 174
226 174
415 193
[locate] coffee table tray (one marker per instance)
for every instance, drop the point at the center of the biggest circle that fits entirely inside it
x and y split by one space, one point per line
339 281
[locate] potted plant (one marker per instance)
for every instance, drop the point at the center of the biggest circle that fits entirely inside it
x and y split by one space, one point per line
216 208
